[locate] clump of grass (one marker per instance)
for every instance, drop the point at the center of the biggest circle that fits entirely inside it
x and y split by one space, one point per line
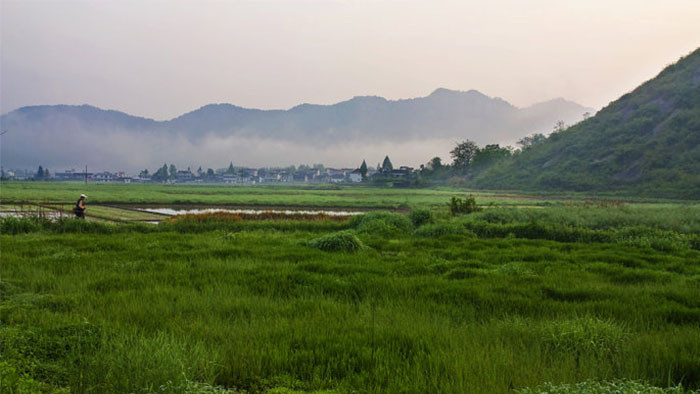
643 236
381 223
589 335
342 241
30 224
595 387
420 217
437 230
21 225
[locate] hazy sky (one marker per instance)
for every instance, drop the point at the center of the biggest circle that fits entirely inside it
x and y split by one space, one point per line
162 58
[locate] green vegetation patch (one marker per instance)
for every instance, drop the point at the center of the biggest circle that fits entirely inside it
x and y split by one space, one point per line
342 241
382 223
619 386
440 229
249 306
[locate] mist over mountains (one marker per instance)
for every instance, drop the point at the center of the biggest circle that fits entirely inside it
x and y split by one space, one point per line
411 131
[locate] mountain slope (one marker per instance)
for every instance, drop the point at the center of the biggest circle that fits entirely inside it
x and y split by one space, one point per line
63 136
647 141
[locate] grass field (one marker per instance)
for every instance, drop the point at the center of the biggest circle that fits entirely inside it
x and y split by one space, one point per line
340 196
566 298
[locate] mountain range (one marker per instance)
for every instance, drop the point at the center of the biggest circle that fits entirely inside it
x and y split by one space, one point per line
342 134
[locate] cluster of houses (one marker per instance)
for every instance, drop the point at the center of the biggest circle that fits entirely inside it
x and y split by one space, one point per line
243 176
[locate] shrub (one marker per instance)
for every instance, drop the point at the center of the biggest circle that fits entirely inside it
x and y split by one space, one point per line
439 229
420 217
342 241
459 206
381 223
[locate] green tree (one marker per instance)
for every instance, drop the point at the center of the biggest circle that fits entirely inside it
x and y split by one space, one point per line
230 169
161 174
531 140
489 155
363 169
210 173
561 126
173 171
39 173
435 163
463 154
386 165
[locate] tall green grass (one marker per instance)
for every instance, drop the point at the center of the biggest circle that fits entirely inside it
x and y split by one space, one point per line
259 310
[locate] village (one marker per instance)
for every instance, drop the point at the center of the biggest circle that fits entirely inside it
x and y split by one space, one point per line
232 175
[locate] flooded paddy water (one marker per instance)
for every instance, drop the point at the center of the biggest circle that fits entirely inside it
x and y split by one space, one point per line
169 211
154 214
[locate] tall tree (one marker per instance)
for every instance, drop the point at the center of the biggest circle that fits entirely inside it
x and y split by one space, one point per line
210 173
489 155
386 165
532 140
435 163
173 171
363 169
39 173
561 126
161 174
463 154
230 169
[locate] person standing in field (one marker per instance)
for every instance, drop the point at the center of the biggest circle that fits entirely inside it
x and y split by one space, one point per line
80 207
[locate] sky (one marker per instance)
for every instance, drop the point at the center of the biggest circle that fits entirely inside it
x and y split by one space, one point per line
160 59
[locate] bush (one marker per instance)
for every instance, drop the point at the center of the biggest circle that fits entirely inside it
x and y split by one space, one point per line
342 241
466 206
439 229
381 223
420 217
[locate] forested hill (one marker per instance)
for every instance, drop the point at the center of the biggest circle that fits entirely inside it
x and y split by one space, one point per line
647 141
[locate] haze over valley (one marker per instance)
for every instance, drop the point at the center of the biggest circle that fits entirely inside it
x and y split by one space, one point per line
411 131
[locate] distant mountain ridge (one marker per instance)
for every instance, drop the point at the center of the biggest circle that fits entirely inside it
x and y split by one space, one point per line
444 114
648 141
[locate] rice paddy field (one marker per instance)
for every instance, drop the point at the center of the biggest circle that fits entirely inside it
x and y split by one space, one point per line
529 294
336 196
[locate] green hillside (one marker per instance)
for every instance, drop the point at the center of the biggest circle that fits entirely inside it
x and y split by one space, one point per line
646 142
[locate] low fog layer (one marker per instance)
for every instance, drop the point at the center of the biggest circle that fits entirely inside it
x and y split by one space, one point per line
410 131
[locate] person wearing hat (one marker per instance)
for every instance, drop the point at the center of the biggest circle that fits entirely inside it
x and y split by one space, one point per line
80 207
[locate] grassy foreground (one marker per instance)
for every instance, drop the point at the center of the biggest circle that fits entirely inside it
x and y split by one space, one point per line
495 301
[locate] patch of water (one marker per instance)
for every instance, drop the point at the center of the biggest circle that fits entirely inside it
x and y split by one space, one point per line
20 214
173 212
